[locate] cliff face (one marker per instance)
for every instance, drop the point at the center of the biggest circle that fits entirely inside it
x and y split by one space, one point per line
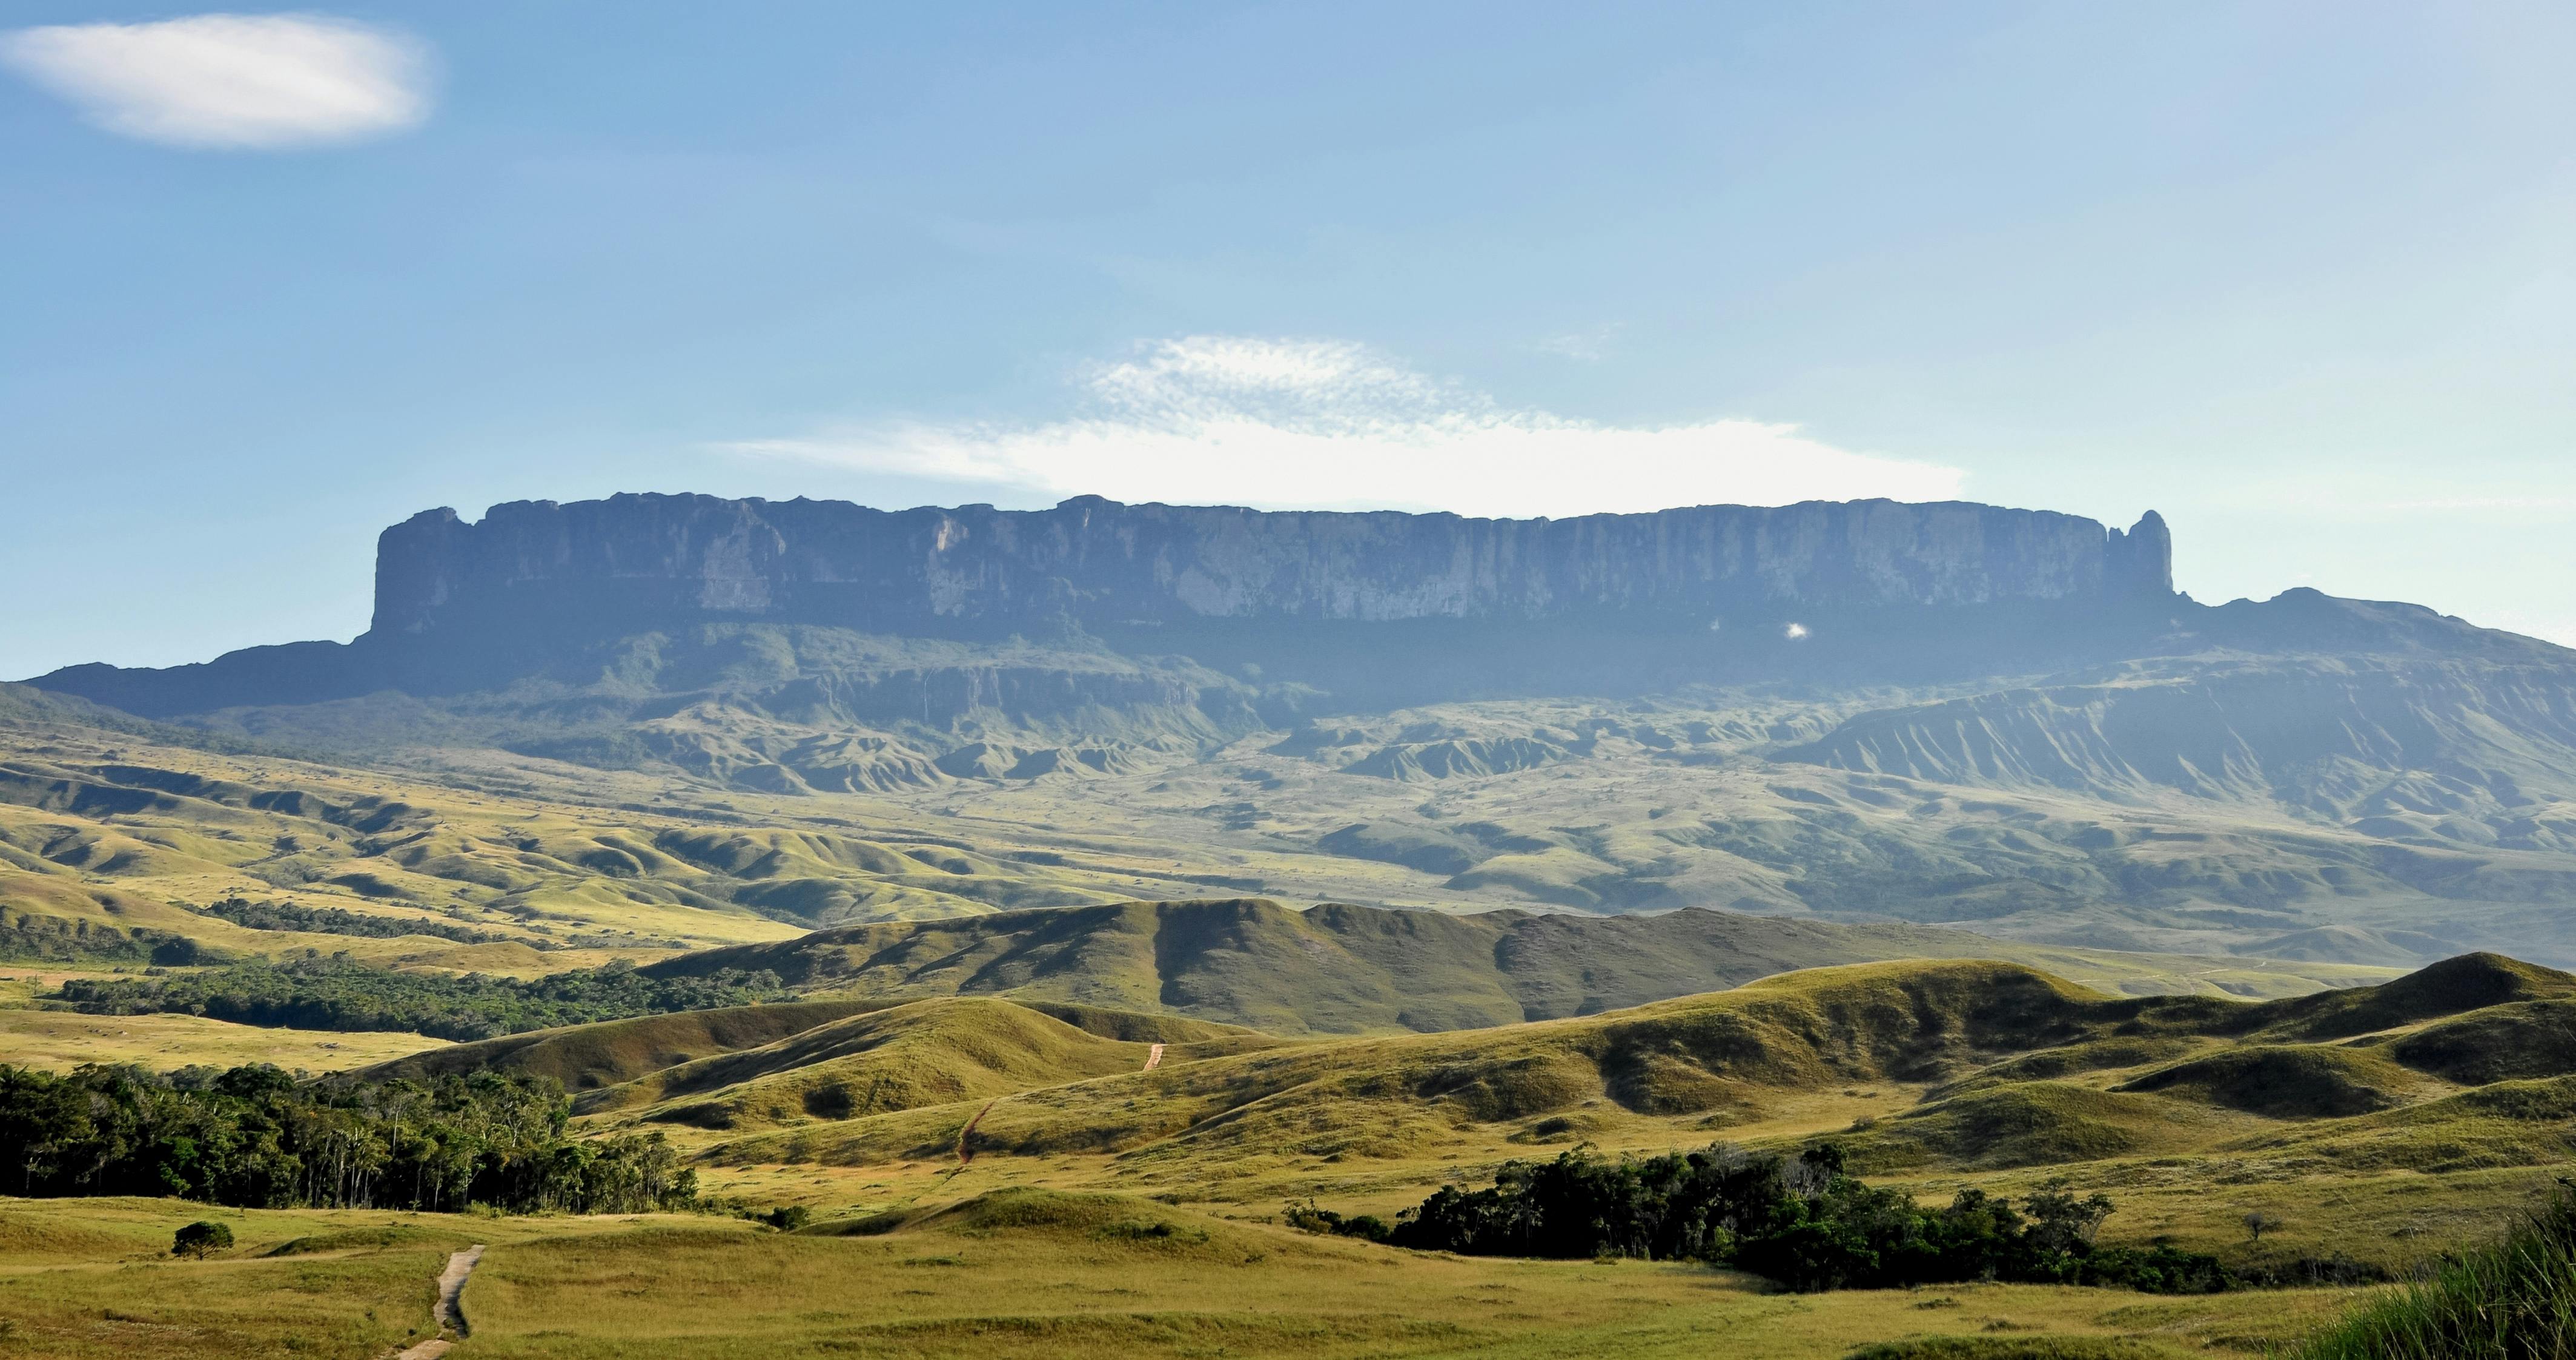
1375 610
655 561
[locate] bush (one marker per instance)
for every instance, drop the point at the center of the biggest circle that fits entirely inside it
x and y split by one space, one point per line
200 1238
1307 1217
788 1217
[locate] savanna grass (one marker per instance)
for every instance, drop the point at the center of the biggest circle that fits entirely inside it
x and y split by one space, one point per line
2512 1300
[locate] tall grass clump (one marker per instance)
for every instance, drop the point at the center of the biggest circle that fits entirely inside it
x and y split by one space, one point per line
2512 1300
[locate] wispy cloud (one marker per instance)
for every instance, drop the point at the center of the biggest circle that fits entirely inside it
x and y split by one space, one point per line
1327 424
1590 345
234 81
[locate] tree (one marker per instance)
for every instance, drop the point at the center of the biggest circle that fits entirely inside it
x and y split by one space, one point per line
1804 1221
2258 1223
200 1238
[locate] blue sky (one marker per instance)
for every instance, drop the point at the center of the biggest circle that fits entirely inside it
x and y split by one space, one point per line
2302 277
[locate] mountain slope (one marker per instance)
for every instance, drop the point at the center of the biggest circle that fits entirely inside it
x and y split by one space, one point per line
1332 969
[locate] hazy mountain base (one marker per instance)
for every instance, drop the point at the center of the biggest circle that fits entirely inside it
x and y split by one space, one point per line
114 843
2401 789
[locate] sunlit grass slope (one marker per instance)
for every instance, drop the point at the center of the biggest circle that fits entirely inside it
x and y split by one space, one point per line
61 1040
587 1057
925 1053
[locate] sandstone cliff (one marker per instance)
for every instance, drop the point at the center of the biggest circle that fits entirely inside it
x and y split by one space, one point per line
1213 618
652 561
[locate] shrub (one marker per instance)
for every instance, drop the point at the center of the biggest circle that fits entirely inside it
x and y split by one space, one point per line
201 1237
1307 1217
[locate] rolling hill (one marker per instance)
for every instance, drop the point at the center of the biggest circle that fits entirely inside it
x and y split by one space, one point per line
1340 969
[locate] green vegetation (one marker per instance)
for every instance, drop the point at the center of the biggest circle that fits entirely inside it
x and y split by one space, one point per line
200 1238
336 921
2512 1300
1802 1222
343 994
252 1137
56 939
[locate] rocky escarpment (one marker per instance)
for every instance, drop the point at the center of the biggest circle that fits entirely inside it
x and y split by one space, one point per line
1372 609
639 561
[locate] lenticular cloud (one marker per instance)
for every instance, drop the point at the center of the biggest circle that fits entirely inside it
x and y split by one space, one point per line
231 80
1315 424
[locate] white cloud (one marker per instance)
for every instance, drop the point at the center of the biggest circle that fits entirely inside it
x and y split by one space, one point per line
1284 424
1588 346
231 80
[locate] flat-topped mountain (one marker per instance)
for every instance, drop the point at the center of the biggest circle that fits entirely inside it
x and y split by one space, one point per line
1231 611
659 560
1376 607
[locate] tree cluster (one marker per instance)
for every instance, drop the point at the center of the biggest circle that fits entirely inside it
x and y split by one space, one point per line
337 921
1800 1221
255 1138
340 994
56 939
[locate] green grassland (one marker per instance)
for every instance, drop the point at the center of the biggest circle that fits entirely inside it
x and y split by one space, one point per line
60 1040
1008 1272
992 1177
2190 1111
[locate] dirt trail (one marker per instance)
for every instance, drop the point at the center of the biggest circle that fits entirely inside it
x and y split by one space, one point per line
451 1306
966 1154
1154 1059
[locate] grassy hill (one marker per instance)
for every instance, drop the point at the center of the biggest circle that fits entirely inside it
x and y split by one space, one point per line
1340 969
1923 1069
901 1058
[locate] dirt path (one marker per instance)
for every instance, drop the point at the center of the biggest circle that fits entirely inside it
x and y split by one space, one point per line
451 1306
1154 1059
966 1154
